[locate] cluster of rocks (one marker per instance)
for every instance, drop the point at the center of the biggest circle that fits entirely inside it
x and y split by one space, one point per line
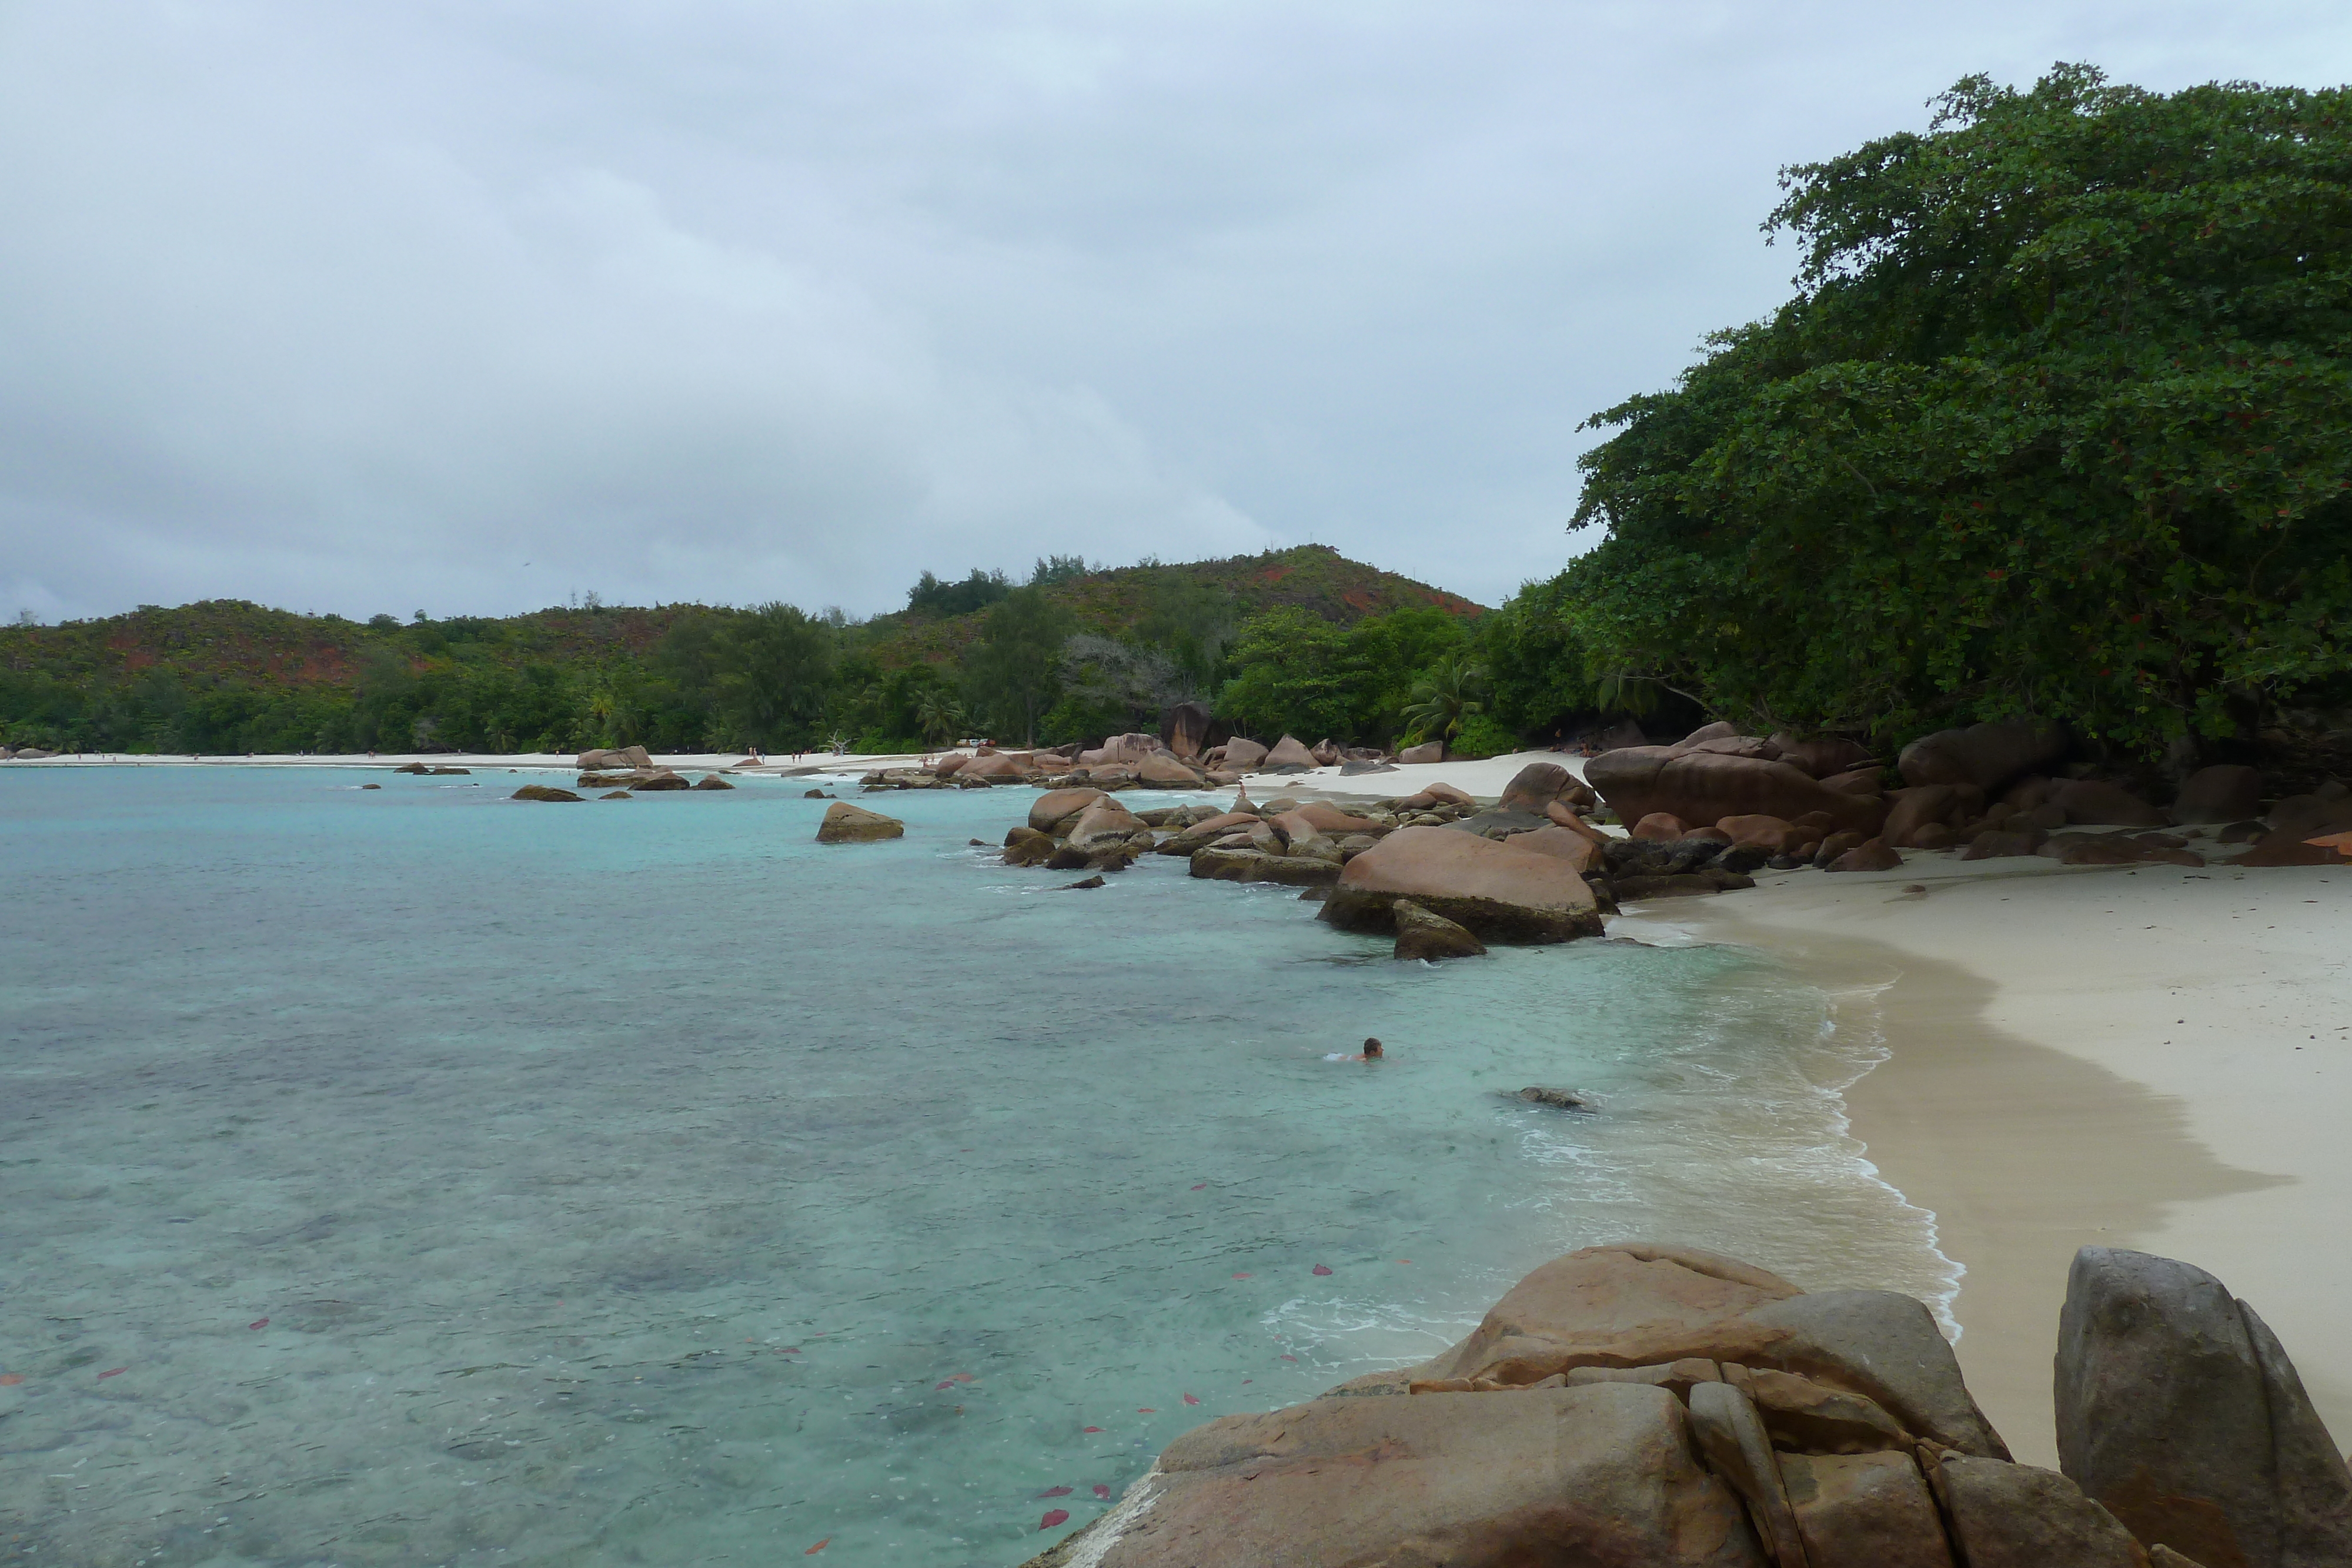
1432 868
1639 1406
648 779
1989 790
1173 759
422 769
24 754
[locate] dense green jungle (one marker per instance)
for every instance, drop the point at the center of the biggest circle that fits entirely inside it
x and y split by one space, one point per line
2057 423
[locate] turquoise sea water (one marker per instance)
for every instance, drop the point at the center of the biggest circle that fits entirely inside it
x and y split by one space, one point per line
414 1176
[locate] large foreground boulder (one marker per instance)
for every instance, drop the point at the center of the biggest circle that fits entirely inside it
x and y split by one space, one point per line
1700 787
1989 755
1496 892
2180 1411
846 824
1602 1476
623 756
1427 751
1628 1404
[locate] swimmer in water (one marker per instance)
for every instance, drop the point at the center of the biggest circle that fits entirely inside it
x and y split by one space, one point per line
1371 1053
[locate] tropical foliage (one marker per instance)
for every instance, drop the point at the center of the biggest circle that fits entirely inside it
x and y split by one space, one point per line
2058 423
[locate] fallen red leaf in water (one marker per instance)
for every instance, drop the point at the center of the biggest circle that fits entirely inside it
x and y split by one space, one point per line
1290 1358
944 1386
116 1372
1054 1492
1102 1492
1145 1410
10 1379
1054 1516
259 1323
1091 1429
818 1547
963 1378
1241 1276
1320 1270
1190 1400
1199 1185
790 1350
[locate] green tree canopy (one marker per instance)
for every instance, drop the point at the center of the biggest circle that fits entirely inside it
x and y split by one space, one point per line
2058 423
1011 674
772 666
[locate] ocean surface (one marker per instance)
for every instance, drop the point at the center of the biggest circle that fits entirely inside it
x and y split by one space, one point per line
411 1176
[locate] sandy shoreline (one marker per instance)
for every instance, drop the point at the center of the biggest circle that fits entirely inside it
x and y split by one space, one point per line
2146 1057
2141 1056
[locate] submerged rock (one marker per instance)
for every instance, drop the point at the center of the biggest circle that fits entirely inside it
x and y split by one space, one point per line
543 792
1558 1099
1422 934
846 824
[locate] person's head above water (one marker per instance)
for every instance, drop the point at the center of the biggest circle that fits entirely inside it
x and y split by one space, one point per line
1371 1050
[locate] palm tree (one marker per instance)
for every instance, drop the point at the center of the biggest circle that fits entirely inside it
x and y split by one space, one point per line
942 717
1451 692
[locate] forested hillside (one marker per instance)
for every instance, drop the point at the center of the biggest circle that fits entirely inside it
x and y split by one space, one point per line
1072 652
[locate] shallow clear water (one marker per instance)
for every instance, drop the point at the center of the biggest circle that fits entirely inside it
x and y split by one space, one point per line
414 1176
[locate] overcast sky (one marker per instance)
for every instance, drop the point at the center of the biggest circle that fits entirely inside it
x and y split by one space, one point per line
472 306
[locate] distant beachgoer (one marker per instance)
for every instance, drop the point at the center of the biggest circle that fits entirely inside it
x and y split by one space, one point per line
1371 1051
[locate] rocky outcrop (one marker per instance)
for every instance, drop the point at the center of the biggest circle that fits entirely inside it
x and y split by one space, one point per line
1243 755
2226 792
2180 1411
543 792
2091 800
1288 755
1700 787
1582 852
1427 751
994 766
1824 756
1422 934
1540 785
624 756
1498 893
1989 755
846 824
1184 730
1161 771
1103 819
1639 1405
1871 854
1049 811
712 781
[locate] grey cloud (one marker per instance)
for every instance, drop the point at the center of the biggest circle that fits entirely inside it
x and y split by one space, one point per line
361 309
